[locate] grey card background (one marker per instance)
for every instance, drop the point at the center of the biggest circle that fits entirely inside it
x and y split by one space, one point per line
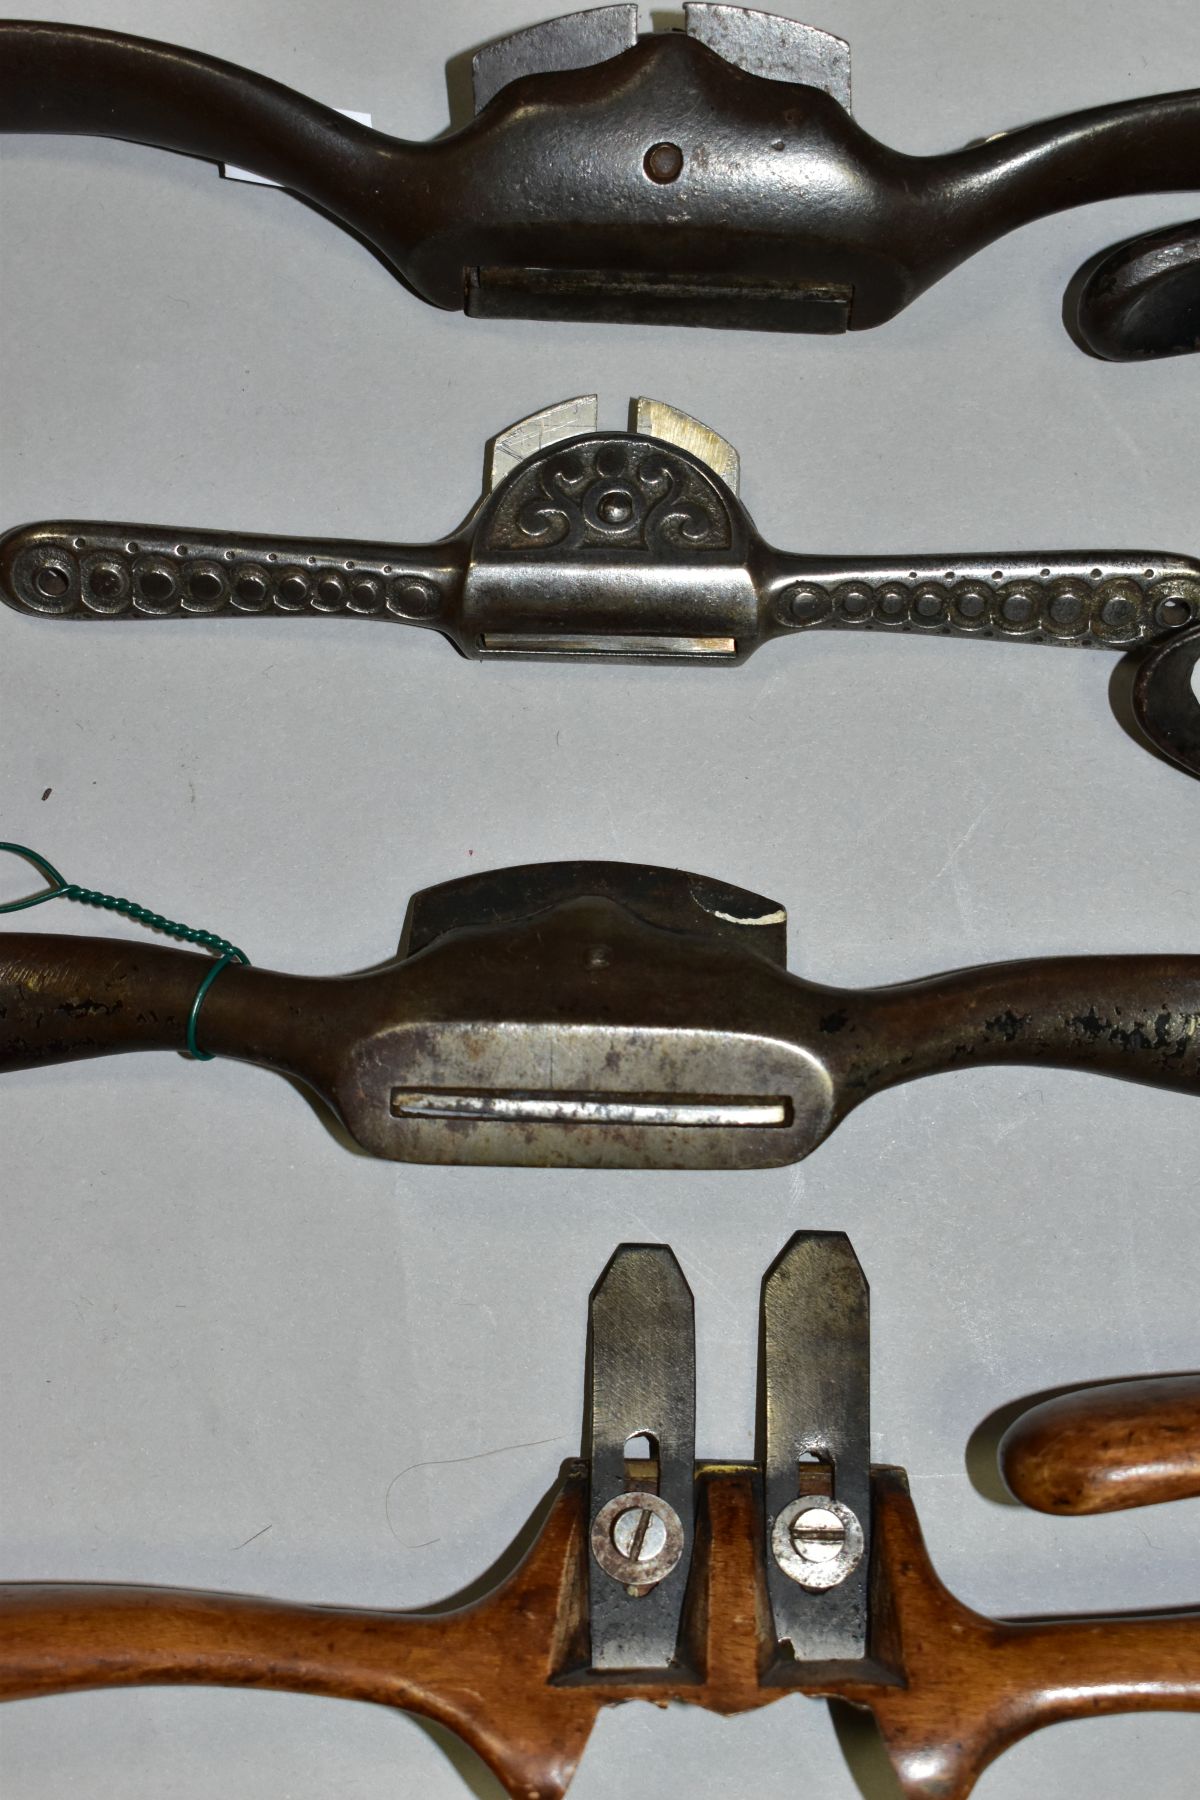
236 1355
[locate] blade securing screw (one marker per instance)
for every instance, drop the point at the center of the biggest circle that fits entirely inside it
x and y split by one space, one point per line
637 1538
817 1542
818 1535
639 1534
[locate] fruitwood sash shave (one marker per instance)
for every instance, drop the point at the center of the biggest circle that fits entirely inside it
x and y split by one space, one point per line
598 1014
652 1577
629 546
713 176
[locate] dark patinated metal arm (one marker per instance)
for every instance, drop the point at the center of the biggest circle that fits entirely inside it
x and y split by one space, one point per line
600 1015
1142 299
737 1601
629 546
742 116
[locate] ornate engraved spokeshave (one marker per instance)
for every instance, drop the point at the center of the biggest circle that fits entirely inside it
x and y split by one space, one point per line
628 546
722 1585
596 1015
725 183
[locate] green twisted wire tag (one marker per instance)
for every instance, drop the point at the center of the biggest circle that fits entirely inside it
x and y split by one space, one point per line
61 889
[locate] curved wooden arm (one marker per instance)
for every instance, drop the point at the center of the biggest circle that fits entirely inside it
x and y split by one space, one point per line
1101 1449
948 1688
481 1671
1137 1017
973 1685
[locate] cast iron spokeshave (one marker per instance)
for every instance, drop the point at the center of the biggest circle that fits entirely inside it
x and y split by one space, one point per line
629 546
709 176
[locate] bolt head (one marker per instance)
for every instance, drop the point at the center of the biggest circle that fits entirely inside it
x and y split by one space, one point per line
818 1535
637 1538
663 163
638 1534
817 1541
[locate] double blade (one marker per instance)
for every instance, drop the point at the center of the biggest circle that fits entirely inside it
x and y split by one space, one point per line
577 417
763 44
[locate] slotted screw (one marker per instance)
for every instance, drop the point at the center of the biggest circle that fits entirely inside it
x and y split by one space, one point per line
639 1534
817 1535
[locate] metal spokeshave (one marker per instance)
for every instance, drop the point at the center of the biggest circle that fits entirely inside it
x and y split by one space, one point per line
629 546
709 176
597 1015
724 1585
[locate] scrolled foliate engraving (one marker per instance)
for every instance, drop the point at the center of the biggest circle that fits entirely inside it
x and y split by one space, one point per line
620 494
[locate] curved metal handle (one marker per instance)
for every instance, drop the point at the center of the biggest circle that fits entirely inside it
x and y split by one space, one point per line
1146 146
1137 1017
1117 599
1164 699
85 82
63 999
1102 1449
1142 299
92 570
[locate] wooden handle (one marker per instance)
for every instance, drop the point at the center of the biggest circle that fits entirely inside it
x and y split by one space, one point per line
482 1671
61 1639
972 1685
1127 1443
509 1674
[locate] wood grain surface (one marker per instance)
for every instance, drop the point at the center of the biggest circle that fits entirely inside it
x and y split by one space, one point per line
948 1688
1102 1449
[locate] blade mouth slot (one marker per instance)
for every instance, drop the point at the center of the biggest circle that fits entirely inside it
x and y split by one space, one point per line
616 645
644 297
525 1107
